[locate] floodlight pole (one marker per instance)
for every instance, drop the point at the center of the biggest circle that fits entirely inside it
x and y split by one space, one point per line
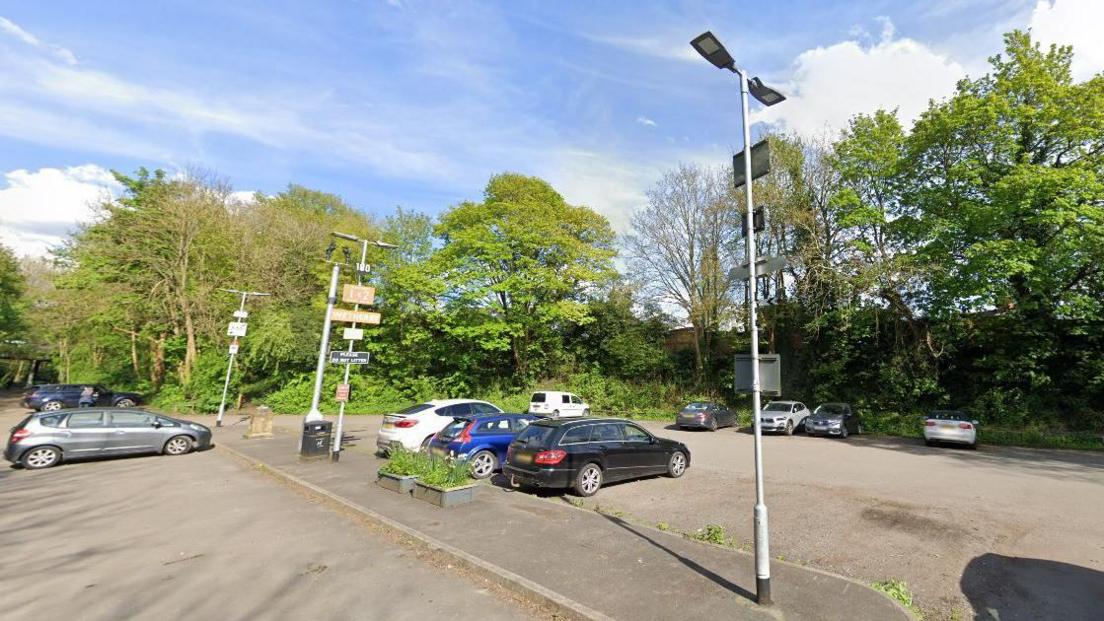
762 545
233 352
315 414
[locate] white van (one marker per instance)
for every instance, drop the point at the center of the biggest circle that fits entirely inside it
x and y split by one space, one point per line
557 404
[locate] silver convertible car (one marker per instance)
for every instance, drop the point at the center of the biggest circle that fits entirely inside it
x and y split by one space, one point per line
46 439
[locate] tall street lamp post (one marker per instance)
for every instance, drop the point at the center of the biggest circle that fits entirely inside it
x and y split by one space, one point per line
710 47
331 298
240 316
361 270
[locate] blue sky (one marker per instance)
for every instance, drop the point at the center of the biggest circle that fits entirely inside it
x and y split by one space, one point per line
418 103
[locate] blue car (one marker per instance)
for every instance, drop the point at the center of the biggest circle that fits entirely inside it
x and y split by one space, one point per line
482 439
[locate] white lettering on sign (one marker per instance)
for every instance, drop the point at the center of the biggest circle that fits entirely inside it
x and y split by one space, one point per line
357 294
340 314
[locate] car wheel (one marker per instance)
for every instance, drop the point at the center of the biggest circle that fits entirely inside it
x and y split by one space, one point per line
483 464
40 457
178 445
713 425
52 406
586 412
858 430
588 481
676 466
125 403
789 427
555 413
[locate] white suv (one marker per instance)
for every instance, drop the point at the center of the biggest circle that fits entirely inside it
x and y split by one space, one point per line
784 416
415 426
557 404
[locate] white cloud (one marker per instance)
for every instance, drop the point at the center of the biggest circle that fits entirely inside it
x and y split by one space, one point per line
669 48
1076 23
829 85
602 181
643 120
13 29
39 208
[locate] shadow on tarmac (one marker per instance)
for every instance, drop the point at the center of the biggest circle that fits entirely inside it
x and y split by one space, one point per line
1012 588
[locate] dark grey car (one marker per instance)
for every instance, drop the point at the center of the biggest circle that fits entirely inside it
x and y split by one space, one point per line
705 415
833 419
46 439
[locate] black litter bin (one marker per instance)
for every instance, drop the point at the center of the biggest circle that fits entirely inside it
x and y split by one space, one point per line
316 440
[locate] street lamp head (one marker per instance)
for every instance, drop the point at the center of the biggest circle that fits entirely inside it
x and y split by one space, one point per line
345 236
711 49
383 244
765 94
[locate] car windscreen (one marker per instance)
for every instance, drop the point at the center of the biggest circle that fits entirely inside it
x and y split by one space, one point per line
454 428
829 409
414 409
697 406
538 397
778 406
536 436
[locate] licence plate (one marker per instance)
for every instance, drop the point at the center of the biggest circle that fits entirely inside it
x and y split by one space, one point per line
948 425
387 425
523 458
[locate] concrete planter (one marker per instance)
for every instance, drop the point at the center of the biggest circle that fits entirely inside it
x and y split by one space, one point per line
445 497
403 484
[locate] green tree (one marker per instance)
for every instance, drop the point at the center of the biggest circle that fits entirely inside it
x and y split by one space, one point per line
519 264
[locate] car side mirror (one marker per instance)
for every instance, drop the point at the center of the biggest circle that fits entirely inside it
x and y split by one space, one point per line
157 425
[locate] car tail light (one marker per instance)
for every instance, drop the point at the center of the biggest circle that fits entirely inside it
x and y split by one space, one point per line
465 435
549 458
965 426
509 453
929 423
20 434
406 423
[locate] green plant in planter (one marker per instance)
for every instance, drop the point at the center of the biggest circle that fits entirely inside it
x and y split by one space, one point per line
404 463
447 473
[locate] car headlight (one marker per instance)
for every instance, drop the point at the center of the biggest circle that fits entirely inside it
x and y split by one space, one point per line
834 423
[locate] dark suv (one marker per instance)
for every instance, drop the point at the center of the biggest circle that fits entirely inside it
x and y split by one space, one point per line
52 397
585 453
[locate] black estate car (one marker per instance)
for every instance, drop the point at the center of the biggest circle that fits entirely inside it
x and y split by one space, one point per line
584 453
52 397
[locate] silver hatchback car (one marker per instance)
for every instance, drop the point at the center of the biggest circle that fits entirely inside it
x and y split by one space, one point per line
46 439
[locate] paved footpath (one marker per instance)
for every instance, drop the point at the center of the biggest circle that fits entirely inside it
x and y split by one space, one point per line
600 563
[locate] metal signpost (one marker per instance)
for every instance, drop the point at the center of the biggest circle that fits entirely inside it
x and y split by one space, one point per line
356 294
711 49
235 329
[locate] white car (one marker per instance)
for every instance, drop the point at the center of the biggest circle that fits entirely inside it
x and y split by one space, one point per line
415 426
950 426
785 416
556 404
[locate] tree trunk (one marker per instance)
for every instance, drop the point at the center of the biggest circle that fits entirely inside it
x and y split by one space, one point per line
157 366
134 354
190 347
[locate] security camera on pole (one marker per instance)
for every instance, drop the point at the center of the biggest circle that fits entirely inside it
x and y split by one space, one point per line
356 294
236 329
350 357
709 47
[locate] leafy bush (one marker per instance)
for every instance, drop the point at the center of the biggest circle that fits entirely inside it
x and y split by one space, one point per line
368 395
404 463
712 533
447 473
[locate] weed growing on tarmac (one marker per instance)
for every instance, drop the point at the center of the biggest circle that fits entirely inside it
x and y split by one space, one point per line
712 533
898 590
664 526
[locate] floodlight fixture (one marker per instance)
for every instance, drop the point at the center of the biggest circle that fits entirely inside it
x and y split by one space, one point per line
711 49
